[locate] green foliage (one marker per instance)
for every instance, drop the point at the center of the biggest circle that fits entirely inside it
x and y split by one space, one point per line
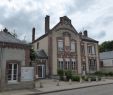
68 74
106 46
99 73
32 55
110 73
93 78
60 73
75 78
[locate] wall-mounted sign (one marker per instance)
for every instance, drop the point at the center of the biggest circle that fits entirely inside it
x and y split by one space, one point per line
27 73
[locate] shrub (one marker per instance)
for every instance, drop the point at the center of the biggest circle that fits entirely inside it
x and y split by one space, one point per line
99 78
68 74
85 78
110 73
60 73
75 78
99 73
93 78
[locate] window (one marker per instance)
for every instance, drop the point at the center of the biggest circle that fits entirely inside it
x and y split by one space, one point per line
60 65
82 50
60 45
92 64
12 72
73 64
67 64
72 46
91 49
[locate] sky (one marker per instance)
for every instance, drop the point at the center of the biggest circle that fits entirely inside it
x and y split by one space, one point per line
95 16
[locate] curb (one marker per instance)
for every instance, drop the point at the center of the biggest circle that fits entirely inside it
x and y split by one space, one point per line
39 93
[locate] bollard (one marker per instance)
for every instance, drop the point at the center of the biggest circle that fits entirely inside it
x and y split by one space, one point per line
89 79
58 83
41 85
81 80
103 78
97 79
70 81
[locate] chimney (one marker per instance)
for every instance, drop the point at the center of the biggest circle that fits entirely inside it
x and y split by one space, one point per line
47 23
5 30
85 33
33 34
80 33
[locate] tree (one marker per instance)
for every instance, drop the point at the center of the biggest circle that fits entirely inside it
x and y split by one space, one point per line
32 54
106 46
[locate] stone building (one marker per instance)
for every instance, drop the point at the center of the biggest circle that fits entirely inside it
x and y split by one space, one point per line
65 49
14 55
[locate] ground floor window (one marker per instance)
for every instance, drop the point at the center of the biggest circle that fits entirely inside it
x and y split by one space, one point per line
60 64
67 64
92 64
12 72
74 65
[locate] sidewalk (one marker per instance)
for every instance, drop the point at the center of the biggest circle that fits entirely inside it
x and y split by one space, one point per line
51 86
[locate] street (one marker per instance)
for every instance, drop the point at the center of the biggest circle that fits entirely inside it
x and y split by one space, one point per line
97 90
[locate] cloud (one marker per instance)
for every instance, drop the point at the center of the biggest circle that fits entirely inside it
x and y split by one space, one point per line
94 15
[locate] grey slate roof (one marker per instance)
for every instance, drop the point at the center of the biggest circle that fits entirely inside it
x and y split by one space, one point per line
85 38
7 37
40 54
106 55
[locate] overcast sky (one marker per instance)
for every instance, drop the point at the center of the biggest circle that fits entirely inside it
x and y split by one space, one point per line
94 15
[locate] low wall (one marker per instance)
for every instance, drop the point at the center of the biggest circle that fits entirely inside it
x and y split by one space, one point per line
107 69
20 85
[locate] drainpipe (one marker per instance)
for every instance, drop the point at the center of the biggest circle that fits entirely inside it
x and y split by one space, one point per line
1 60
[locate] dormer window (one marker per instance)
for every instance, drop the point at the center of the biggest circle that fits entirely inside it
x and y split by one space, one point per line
60 45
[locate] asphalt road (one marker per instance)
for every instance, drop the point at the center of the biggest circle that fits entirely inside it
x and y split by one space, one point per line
97 90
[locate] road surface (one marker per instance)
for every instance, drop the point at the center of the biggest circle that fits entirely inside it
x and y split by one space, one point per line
97 90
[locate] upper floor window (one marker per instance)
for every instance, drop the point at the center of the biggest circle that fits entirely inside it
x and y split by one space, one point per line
72 46
82 49
60 45
91 49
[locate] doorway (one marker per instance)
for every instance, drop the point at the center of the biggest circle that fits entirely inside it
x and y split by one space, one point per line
41 71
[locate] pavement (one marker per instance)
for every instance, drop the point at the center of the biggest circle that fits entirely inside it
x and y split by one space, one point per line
51 85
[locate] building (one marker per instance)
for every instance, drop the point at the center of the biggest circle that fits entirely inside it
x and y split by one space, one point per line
106 61
14 59
65 49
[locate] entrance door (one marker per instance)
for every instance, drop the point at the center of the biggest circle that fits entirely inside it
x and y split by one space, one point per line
12 73
41 71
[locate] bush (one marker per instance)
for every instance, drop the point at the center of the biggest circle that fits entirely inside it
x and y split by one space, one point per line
75 78
99 78
99 73
93 78
68 74
110 73
85 78
60 73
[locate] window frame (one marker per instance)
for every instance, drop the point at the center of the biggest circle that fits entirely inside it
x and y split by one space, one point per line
60 45
73 46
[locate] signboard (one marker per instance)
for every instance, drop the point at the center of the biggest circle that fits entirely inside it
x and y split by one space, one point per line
27 73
